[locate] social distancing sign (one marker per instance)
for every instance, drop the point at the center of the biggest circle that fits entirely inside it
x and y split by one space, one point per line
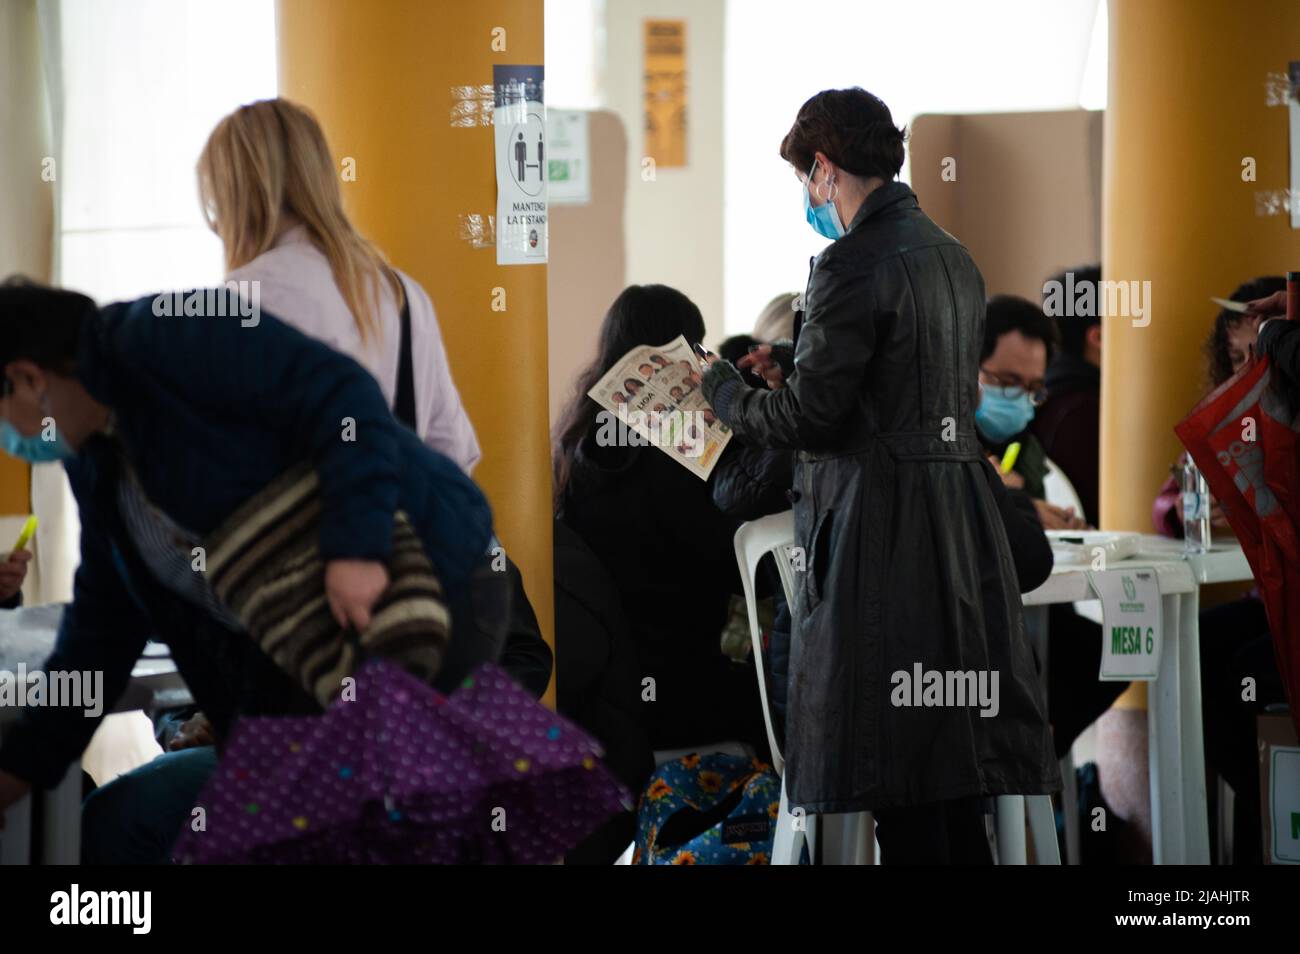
519 118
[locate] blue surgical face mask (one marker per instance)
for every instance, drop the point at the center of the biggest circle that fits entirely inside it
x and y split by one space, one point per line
824 218
34 449
1001 416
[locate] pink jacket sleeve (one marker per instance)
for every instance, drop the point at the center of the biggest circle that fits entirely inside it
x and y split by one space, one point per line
444 425
1164 512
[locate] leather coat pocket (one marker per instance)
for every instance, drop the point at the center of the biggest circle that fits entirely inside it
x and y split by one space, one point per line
819 559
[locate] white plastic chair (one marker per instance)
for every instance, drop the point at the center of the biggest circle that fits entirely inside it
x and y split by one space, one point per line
754 540
1011 815
759 537
775 534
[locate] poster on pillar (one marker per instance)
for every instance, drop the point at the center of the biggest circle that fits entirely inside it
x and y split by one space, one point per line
519 116
665 92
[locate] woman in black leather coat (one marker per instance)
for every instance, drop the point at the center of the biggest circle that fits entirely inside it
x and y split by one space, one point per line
907 561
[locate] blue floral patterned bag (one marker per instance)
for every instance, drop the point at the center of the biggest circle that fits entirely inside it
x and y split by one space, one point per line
708 810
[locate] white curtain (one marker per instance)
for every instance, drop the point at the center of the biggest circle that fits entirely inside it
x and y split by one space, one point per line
143 83
124 95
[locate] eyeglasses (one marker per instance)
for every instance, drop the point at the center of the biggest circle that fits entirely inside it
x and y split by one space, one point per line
1014 387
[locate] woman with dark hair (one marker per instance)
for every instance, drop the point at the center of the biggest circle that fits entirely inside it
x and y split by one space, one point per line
652 523
1227 349
1236 644
1233 339
171 429
908 564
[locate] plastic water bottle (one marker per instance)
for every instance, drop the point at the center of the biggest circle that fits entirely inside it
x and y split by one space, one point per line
1196 509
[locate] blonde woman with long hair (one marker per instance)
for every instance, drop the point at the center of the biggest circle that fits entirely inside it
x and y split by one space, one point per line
270 191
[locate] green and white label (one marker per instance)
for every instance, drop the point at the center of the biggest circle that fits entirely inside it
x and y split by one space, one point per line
1284 803
1130 628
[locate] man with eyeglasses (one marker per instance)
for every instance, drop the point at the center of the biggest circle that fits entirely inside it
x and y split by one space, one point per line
1019 341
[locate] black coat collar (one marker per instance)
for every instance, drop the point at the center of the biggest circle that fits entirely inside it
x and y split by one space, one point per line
884 197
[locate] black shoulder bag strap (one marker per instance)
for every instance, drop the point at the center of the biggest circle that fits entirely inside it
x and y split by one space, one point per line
404 399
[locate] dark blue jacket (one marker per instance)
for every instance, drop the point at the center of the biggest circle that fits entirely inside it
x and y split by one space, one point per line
209 412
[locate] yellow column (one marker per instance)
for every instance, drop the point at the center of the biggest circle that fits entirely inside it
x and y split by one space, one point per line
15 487
1187 107
379 75
27 226
1187 115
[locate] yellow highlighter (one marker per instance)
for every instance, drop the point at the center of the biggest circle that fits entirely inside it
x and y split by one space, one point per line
1008 459
29 529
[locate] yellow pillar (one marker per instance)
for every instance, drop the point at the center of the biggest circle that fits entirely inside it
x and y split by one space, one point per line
27 227
1187 106
379 76
1187 110
15 487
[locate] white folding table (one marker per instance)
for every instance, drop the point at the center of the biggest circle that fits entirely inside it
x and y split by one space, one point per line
1176 753
26 636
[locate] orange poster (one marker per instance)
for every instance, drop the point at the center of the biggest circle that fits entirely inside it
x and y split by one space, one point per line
665 92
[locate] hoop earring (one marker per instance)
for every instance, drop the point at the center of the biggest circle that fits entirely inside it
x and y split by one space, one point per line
824 188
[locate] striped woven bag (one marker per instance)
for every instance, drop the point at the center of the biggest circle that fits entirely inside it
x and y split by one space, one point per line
264 563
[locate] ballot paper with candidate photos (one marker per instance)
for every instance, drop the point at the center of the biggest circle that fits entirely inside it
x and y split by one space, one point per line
655 393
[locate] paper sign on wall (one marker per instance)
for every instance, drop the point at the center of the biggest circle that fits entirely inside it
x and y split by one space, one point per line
519 116
568 170
1130 629
665 92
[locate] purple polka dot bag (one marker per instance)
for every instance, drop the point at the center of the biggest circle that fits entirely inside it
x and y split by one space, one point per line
395 772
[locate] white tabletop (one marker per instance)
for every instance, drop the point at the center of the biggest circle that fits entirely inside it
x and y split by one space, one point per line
1176 571
1224 563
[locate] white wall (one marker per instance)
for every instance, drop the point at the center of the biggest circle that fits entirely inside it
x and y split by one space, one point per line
922 56
575 53
674 224
144 83
729 229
